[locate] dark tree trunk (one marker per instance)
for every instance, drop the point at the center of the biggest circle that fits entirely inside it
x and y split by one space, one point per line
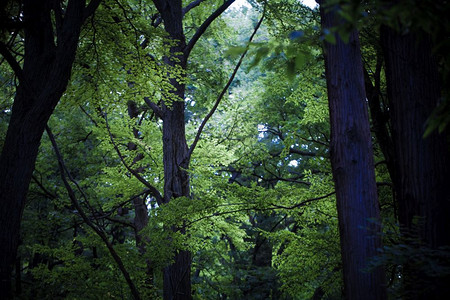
177 276
422 164
44 78
176 156
353 167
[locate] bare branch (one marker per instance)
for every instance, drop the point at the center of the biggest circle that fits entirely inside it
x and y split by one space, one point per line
224 90
42 187
204 26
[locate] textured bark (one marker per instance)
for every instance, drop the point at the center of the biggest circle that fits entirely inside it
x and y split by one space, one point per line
422 164
176 154
177 276
46 71
352 165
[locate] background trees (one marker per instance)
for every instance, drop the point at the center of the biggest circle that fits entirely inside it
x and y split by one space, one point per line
251 212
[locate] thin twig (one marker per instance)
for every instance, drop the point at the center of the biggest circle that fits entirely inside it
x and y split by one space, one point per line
272 207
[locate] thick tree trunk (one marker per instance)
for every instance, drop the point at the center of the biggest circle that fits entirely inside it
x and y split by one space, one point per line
177 276
422 164
353 167
45 75
16 166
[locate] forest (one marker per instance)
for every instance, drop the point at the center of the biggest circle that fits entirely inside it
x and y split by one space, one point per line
224 149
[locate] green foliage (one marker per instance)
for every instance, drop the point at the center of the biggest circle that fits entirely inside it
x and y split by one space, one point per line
252 223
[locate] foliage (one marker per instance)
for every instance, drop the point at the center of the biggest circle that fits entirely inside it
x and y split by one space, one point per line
260 222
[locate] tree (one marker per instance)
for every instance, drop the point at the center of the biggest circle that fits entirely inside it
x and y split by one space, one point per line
352 160
422 164
50 32
176 158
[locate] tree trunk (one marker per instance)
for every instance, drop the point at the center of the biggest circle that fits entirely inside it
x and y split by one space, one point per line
177 276
44 78
422 164
352 165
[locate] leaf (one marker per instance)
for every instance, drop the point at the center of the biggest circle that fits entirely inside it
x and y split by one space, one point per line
235 51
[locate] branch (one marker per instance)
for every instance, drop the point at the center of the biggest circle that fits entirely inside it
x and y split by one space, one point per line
42 187
98 231
303 153
157 19
153 191
201 30
273 207
90 9
224 90
156 109
191 5
12 63
303 203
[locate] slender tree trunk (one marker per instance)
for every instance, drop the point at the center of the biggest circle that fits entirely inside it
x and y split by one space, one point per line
352 165
43 80
422 164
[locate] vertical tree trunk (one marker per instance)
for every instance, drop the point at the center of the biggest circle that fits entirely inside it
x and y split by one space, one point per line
16 166
422 164
177 276
43 80
352 165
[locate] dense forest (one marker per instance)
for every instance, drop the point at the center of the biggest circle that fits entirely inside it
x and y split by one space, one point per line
222 149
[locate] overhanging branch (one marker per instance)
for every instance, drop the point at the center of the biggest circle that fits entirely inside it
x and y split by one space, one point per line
201 30
191 5
224 90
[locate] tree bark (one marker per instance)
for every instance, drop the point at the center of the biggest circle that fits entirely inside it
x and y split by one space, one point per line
176 154
43 80
176 276
352 165
422 164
